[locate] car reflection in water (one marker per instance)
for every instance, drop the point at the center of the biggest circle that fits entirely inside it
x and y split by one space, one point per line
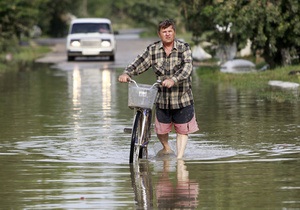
181 194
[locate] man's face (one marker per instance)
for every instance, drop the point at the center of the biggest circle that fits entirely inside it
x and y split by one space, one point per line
167 35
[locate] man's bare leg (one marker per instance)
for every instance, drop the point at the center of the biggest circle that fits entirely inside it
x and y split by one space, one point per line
163 138
181 141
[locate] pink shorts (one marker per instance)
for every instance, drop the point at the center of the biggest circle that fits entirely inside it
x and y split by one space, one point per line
184 128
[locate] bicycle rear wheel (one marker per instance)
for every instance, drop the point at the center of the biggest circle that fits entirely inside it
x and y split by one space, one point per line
139 137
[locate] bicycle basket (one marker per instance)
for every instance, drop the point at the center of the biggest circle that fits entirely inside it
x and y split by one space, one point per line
141 96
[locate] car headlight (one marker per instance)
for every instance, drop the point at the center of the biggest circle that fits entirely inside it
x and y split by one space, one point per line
75 43
105 43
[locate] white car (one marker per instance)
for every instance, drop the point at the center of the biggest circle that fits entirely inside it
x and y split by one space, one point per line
91 37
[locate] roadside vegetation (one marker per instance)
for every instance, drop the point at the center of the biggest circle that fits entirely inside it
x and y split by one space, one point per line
21 58
256 82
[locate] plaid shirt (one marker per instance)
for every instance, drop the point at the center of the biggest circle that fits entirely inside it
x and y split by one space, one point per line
177 66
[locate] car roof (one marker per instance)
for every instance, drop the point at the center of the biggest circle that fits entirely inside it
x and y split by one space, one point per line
91 20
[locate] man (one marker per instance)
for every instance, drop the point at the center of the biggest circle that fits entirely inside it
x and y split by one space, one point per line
171 60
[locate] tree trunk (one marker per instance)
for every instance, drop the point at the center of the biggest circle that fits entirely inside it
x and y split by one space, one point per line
279 58
285 57
268 59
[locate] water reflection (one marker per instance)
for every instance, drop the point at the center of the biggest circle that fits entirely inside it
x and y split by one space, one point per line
76 94
185 192
106 89
170 193
85 82
76 83
141 179
93 93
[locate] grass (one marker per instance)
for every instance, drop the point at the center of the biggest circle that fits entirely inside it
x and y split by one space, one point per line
256 82
22 56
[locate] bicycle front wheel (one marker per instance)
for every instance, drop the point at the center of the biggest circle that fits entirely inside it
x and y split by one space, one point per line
139 138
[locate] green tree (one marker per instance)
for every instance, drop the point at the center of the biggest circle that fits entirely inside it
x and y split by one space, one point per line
54 16
16 20
273 27
150 12
18 17
141 13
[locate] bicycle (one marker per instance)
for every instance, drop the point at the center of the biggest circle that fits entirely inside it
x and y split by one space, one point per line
141 98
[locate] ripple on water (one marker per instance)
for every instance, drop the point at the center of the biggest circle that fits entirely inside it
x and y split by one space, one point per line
115 149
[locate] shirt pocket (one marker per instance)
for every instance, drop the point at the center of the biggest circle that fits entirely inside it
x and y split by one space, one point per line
158 68
176 65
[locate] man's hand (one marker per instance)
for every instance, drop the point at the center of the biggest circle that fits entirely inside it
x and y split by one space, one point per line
168 83
124 78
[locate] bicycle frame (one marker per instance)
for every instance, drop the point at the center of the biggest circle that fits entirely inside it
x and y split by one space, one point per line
145 132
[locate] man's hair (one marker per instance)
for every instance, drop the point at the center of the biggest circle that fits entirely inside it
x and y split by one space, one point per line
165 24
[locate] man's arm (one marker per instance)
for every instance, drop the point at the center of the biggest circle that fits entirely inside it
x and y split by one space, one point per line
141 64
187 65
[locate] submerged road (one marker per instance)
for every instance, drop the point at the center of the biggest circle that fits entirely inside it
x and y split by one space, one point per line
128 47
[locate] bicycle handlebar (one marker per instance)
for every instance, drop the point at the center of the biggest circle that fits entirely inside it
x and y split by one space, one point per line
158 82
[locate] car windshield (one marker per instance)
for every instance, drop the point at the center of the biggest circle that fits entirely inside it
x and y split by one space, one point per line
90 28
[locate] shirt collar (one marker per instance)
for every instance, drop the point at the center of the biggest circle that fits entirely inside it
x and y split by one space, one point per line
174 47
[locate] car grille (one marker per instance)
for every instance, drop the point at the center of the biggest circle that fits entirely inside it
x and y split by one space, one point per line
91 43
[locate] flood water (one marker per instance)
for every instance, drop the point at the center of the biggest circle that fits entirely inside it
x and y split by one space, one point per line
62 146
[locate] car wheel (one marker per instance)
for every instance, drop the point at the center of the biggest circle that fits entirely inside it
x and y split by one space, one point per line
112 58
71 58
